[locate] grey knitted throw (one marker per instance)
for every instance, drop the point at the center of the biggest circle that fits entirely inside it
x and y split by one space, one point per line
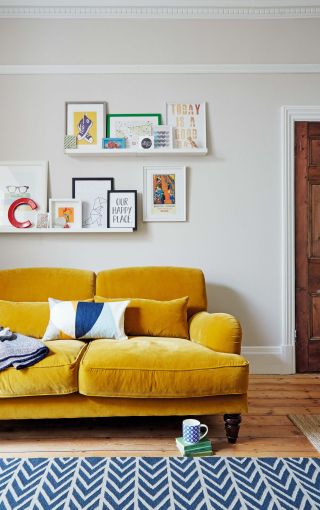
20 351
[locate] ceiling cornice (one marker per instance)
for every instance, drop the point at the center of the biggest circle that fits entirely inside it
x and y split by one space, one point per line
160 12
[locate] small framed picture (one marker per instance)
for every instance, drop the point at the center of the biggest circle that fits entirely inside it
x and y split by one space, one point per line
93 193
122 209
65 213
70 142
42 220
164 193
86 121
132 126
189 124
113 143
162 136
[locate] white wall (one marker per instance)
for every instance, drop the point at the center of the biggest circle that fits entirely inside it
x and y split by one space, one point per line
233 230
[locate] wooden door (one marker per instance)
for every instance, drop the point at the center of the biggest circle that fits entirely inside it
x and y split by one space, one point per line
307 245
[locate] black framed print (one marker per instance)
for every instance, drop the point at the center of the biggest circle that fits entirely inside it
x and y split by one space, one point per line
122 212
93 192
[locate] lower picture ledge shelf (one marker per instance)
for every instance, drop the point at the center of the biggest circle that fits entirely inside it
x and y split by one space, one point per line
64 231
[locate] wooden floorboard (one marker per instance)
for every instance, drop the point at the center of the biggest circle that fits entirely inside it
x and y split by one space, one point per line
266 431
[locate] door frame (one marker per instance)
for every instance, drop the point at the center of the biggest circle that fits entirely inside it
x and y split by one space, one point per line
290 115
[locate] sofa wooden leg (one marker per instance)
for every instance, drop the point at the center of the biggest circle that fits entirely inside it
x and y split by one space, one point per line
232 425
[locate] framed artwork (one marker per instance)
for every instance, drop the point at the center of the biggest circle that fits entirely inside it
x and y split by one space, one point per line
131 126
86 121
164 193
65 213
42 220
93 193
23 179
122 209
113 143
162 137
189 124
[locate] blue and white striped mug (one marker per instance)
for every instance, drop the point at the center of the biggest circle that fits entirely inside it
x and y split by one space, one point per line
191 430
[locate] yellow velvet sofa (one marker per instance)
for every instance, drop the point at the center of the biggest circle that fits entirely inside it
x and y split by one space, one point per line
143 376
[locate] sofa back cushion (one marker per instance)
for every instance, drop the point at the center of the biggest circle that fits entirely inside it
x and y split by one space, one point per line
27 318
159 283
147 317
40 283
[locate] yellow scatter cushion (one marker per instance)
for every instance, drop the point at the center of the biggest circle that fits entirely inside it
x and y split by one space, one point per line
148 317
27 318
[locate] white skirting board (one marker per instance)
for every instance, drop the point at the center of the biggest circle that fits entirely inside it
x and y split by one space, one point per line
270 359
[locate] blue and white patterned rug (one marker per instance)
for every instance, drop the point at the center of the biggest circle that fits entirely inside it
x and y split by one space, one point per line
94 483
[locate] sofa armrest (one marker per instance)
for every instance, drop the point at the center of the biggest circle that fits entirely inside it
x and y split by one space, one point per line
219 331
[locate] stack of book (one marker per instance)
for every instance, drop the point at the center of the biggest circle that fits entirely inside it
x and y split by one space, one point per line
201 449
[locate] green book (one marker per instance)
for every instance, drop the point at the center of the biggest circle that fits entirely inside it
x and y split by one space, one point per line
197 448
202 444
206 453
194 452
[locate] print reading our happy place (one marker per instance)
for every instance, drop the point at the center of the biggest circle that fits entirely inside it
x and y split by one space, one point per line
122 211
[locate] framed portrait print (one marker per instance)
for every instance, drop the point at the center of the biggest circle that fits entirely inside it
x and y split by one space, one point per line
23 179
189 124
65 213
131 126
93 193
86 121
122 209
164 193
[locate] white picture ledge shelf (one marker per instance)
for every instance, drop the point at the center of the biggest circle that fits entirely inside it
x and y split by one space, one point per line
136 152
64 231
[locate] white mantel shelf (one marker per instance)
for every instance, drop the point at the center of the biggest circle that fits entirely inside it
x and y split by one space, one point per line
136 152
64 231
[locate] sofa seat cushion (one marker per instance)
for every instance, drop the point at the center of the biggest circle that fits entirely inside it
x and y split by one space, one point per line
57 374
160 368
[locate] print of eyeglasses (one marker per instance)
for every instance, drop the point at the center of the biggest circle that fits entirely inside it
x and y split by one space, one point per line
17 189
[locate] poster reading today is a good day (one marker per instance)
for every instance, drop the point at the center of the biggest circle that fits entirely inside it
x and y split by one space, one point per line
189 124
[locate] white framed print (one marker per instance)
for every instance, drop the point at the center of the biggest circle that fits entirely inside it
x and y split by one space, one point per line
87 122
188 121
23 179
65 213
93 193
122 206
164 193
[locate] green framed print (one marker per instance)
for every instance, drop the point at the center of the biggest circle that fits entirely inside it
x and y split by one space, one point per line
131 126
